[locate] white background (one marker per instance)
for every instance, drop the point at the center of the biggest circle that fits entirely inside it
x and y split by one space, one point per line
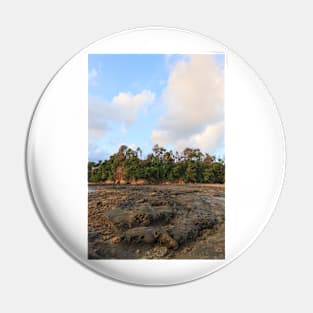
274 274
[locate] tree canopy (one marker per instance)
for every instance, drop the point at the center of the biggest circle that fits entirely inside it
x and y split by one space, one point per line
127 165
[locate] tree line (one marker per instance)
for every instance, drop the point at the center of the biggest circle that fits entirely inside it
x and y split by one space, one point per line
127 165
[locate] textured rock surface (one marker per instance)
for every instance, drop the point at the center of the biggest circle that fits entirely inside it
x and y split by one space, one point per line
156 221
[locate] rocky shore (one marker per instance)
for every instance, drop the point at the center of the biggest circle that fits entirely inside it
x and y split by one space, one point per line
156 222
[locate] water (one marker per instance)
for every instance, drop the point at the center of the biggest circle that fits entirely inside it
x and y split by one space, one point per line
92 189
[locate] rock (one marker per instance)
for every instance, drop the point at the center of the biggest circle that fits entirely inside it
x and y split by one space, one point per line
141 200
116 239
92 235
183 232
155 221
140 215
166 240
108 250
163 214
141 235
158 202
156 253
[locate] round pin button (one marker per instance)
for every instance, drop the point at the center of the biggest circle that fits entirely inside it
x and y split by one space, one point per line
155 156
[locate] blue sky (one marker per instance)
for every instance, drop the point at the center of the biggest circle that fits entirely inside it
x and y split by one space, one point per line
144 99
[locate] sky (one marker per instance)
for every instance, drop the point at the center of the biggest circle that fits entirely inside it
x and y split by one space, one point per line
140 100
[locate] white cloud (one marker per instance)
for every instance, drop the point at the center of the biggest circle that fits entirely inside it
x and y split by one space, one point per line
123 108
209 140
194 100
92 74
126 106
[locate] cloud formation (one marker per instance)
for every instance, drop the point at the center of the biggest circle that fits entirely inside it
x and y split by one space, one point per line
194 101
123 108
92 74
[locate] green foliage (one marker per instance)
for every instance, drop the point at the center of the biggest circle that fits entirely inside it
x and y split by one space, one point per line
191 166
215 173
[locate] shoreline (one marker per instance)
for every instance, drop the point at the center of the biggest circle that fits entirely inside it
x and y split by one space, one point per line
154 184
176 221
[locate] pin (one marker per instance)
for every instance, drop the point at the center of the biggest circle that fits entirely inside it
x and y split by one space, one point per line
155 156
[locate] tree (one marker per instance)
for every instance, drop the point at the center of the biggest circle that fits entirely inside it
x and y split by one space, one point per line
191 166
215 173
